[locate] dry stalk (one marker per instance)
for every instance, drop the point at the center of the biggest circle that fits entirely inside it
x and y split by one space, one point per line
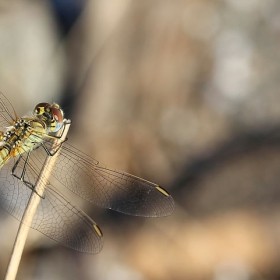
30 210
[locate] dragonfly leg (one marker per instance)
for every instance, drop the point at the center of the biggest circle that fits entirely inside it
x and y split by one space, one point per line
55 148
21 176
59 133
51 152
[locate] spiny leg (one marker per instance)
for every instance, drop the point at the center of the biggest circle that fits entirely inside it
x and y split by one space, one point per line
23 172
51 151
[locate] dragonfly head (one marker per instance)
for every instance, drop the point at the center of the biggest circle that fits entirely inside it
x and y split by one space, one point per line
51 114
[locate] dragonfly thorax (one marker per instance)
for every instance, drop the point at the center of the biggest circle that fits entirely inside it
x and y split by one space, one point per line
23 136
14 136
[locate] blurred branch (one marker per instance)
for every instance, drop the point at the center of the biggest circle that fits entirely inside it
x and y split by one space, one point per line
242 144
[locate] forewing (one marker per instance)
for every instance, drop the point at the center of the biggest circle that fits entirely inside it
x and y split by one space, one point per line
55 217
7 113
109 188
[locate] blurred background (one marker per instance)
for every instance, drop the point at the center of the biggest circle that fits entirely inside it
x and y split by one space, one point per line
183 93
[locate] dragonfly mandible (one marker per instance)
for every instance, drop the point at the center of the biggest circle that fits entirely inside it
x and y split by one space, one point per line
25 143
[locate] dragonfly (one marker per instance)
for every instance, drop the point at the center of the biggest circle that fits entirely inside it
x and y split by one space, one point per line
26 141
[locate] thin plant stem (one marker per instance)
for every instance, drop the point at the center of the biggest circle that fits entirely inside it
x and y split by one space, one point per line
31 208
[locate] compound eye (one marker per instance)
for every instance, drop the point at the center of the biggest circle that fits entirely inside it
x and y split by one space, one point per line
57 115
40 108
43 104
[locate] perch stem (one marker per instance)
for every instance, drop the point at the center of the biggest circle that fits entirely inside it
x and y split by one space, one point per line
31 208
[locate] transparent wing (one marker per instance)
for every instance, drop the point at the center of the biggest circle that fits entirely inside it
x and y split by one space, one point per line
7 113
96 183
109 188
55 217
